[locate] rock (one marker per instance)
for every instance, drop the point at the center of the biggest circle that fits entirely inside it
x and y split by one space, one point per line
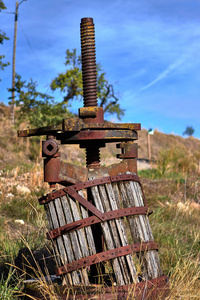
20 222
35 263
9 195
181 206
195 205
23 189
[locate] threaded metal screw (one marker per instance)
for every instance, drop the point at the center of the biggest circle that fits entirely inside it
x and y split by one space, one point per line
88 55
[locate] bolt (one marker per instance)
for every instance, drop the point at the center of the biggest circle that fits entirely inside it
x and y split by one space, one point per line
49 147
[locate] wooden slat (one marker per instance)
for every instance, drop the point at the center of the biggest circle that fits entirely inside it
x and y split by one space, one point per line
59 245
113 231
54 244
107 234
66 239
114 197
140 228
88 231
74 245
68 206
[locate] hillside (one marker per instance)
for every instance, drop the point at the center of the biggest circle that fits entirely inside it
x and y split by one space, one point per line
14 149
161 141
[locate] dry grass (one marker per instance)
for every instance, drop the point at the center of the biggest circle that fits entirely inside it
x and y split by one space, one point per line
176 228
161 141
20 213
185 279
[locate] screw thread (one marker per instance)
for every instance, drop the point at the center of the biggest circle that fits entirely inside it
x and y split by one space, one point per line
88 55
92 157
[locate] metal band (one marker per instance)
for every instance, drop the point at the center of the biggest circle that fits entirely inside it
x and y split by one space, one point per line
150 289
159 281
72 191
105 256
86 184
124 212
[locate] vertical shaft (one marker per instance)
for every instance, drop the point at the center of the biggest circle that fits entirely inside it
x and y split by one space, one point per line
93 157
88 55
89 75
13 66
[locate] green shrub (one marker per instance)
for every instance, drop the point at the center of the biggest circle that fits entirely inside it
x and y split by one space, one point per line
177 159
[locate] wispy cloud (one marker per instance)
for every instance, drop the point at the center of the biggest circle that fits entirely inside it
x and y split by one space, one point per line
165 73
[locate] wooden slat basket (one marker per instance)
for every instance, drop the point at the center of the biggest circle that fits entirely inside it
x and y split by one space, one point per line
102 238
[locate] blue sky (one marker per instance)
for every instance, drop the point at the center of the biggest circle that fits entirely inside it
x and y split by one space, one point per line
149 50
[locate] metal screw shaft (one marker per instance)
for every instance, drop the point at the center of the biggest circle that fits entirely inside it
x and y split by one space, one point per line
88 55
92 157
89 75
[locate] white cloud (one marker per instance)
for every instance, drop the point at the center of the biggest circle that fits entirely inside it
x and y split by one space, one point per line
172 67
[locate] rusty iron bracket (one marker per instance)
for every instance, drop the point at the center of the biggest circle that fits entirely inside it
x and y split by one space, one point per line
105 256
129 150
110 215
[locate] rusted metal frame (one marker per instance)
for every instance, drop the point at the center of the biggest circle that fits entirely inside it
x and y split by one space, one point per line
106 256
76 125
40 131
69 124
52 169
109 125
129 150
91 112
86 184
70 173
120 213
109 136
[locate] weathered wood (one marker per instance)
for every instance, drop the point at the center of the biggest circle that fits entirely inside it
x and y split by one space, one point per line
73 245
134 229
107 233
68 206
88 231
66 240
126 194
114 197
114 233
153 263
51 227
114 230
140 228
80 243
59 245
